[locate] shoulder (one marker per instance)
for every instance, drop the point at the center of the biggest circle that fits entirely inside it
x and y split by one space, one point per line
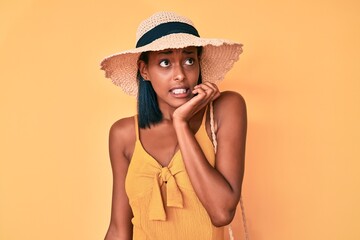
122 137
229 103
230 112
123 127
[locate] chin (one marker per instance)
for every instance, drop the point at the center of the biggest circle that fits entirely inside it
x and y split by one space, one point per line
178 103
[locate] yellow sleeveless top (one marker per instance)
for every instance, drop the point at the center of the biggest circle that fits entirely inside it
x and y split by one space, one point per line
162 199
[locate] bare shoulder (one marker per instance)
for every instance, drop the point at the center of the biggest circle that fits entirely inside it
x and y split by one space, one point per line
122 137
230 103
123 127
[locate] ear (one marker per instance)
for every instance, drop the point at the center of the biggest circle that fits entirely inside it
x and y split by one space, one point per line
143 70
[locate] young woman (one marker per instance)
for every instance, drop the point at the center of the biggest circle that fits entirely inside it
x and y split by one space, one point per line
178 164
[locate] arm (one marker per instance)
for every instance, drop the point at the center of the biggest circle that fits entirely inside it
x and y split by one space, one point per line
120 227
218 188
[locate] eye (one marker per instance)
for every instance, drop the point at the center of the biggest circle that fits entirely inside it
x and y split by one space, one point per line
189 61
164 63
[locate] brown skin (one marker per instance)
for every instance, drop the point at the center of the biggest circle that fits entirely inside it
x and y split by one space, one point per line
182 118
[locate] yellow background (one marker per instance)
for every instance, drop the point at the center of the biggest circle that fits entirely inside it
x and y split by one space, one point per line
299 74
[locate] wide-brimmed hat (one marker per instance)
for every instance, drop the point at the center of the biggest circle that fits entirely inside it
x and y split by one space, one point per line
168 30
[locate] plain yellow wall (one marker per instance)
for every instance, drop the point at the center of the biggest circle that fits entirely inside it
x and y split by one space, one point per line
299 74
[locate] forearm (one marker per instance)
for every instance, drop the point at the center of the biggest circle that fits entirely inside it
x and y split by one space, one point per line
206 180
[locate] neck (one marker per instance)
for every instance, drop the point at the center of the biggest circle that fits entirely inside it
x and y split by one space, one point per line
168 115
167 111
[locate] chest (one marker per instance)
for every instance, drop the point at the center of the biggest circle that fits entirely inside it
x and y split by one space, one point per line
160 145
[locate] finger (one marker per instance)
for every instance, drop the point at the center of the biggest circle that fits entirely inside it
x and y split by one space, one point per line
200 91
206 84
203 97
209 85
207 88
216 96
214 87
211 90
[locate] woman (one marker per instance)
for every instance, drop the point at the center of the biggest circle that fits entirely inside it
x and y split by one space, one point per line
168 181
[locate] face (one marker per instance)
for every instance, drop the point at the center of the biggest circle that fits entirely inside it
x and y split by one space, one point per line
173 74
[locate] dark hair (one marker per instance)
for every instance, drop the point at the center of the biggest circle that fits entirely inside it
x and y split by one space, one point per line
147 104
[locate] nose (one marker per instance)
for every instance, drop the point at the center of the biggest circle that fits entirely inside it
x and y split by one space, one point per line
179 74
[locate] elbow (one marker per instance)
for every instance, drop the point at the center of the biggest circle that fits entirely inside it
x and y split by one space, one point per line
222 218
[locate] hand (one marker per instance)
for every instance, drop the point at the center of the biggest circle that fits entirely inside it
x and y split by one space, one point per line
206 92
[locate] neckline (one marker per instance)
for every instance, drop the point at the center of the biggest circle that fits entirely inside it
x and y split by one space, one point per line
153 159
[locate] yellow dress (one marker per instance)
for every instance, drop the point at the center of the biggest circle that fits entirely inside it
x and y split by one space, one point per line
162 199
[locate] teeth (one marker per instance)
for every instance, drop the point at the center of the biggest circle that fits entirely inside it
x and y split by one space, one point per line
179 91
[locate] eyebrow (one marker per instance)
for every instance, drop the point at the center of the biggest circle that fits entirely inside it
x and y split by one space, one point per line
188 51
165 52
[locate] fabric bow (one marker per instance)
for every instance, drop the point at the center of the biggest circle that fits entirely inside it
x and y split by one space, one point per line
173 195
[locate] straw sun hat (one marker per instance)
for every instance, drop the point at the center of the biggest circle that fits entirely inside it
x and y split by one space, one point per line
165 30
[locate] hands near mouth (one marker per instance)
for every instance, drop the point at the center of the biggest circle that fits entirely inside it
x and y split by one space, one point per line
203 94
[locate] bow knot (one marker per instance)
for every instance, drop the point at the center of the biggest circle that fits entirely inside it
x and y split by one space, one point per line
173 195
165 174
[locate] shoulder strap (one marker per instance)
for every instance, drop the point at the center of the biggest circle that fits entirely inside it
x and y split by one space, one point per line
213 135
136 126
212 126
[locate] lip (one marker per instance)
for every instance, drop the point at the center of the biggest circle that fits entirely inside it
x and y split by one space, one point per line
180 95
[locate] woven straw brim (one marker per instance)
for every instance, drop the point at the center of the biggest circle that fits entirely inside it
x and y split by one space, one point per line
217 59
